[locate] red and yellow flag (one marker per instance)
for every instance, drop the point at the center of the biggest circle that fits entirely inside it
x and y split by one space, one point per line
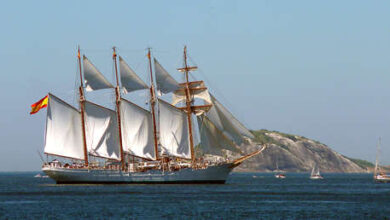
39 105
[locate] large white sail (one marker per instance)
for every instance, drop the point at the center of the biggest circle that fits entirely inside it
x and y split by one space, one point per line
212 140
94 79
137 130
63 130
174 136
129 79
165 82
101 131
197 89
227 123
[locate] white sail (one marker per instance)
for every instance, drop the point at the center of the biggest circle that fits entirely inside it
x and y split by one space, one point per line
129 79
377 167
312 171
63 130
94 79
101 131
165 82
318 171
137 130
315 171
212 140
227 123
197 90
174 136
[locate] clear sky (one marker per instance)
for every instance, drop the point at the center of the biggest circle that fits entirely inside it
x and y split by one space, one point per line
320 69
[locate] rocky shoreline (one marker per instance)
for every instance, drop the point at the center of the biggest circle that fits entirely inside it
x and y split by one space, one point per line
292 153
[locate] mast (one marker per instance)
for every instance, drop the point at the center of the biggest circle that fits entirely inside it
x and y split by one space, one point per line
377 158
82 100
152 104
188 104
118 99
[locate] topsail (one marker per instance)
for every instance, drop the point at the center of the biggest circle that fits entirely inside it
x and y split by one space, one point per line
197 90
130 81
94 79
165 82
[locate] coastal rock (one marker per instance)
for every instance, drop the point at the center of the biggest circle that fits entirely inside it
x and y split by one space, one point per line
293 153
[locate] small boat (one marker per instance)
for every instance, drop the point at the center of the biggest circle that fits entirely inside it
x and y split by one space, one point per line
280 176
382 177
315 173
379 175
279 173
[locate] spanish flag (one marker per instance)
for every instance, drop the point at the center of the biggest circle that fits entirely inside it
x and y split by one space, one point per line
39 105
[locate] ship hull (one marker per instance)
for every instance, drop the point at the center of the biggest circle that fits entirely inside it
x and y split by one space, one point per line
213 174
382 178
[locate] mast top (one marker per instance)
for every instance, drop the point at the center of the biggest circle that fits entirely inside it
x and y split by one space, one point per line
114 52
186 68
148 55
79 62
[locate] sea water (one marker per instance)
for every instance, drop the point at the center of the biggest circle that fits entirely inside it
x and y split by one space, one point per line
244 196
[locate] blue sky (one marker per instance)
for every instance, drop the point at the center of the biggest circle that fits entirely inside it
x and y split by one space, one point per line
320 69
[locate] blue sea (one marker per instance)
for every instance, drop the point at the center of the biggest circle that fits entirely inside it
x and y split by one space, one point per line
244 196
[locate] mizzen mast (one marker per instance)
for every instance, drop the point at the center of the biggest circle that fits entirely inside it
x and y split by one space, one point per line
82 100
118 99
152 104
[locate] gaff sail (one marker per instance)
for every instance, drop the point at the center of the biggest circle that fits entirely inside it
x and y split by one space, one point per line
174 136
101 130
63 130
137 130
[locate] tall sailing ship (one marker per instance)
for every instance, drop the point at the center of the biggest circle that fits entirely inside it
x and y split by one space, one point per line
94 144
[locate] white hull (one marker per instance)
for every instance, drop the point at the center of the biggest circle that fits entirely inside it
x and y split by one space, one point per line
382 178
280 176
211 174
317 177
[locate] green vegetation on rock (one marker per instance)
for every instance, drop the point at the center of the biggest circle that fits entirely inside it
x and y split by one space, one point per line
298 155
262 138
361 163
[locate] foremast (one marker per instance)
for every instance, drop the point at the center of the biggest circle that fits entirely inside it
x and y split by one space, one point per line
82 101
189 108
117 102
152 105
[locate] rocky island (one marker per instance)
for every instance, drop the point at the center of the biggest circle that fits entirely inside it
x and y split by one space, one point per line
293 153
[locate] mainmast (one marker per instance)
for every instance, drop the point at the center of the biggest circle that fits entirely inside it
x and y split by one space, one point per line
82 100
188 102
152 104
118 99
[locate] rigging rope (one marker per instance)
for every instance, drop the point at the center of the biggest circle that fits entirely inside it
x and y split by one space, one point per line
215 90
